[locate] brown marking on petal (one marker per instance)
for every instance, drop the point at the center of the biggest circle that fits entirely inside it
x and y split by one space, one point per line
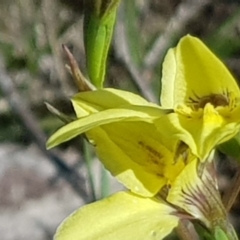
163 193
154 161
160 175
153 158
182 151
215 99
151 150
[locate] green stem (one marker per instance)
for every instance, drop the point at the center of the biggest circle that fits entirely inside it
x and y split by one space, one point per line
88 160
104 183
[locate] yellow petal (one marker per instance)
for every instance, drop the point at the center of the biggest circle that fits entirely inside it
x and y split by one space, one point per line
173 130
121 216
129 113
192 71
101 99
134 153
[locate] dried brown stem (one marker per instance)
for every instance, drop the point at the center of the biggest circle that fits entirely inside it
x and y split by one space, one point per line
81 82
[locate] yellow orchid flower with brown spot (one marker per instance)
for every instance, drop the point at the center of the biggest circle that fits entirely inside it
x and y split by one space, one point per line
162 154
203 94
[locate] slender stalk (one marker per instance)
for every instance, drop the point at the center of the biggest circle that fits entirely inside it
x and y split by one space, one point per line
185 231
105 184
88 161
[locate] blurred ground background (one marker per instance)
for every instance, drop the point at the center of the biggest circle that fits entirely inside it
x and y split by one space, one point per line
38 189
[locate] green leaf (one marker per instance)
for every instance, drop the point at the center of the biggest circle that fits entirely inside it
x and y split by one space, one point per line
219 234
98 29
203 233
231 147
224 41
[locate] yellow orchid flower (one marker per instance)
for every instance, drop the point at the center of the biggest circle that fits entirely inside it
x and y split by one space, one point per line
203 94
146 162
156 152
200 123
